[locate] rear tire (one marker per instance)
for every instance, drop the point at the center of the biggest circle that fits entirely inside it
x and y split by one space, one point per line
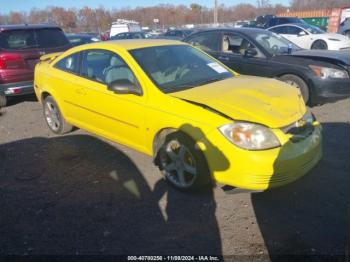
183 165
297 82
320 45
54 118
3 101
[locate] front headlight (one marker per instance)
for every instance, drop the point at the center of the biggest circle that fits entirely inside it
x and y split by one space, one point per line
327 72
250 136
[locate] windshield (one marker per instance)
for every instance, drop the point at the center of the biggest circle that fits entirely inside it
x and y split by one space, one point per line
312 29
274 44
174 68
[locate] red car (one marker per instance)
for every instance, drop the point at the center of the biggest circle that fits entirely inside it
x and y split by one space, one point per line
20 49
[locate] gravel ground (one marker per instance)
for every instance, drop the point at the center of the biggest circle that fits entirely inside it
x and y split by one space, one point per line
79 194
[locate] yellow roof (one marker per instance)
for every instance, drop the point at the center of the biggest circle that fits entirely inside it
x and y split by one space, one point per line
138 43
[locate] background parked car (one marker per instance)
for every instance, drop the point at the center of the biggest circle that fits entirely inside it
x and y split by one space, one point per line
176 34
320 75
81 39
239 24
129 35
266 21
123 26
328 19
311 37
20 49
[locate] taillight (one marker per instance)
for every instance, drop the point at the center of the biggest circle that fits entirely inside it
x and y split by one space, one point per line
11 61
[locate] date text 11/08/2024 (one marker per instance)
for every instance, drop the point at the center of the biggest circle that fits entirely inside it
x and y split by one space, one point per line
173 258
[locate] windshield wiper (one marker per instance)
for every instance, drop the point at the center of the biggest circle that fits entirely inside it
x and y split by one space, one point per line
210 80
177 88
192 84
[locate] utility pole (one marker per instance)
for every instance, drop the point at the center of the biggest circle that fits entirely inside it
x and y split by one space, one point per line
215 12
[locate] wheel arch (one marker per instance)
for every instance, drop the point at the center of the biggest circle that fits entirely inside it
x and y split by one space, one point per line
298 74
319 40
159 139
44 95
161 135
51 92
306 79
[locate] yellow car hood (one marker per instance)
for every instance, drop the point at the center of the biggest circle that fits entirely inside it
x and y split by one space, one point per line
254 99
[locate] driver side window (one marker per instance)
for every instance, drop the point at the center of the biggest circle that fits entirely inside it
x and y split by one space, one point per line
206 41
293 30
236 44
279 30
105 67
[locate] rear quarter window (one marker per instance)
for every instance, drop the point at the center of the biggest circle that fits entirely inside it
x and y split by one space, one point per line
69 63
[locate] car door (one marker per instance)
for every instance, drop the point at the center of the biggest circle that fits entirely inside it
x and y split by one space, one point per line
120 117
233 54
298 36
67 85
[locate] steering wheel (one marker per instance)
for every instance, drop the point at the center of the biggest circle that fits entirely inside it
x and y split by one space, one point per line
170 70
183 69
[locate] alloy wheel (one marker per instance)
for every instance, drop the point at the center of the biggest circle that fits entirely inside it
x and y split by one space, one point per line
178 164
52 116
292 83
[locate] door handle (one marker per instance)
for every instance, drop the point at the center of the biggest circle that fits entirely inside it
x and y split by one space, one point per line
224 58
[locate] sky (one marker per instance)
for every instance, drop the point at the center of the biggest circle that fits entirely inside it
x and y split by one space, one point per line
26 5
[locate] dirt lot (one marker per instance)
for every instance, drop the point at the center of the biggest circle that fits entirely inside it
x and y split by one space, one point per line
79 194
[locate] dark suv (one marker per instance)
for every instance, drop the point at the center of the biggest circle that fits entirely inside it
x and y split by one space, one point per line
20 49
267 21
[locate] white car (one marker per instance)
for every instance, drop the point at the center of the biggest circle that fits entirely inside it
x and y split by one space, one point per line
311 37
239 24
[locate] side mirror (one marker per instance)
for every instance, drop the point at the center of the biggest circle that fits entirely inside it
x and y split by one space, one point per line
250 52
301 33
123 87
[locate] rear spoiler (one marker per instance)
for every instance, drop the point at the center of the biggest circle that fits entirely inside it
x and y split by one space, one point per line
50 57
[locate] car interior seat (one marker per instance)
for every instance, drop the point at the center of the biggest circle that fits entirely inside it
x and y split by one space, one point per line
117 70
225 44
244 46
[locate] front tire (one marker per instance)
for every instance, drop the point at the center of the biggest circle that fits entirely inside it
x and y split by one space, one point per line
54 118
320 45
183 164
299 83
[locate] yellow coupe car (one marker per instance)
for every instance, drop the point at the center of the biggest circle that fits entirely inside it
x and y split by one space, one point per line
199 120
